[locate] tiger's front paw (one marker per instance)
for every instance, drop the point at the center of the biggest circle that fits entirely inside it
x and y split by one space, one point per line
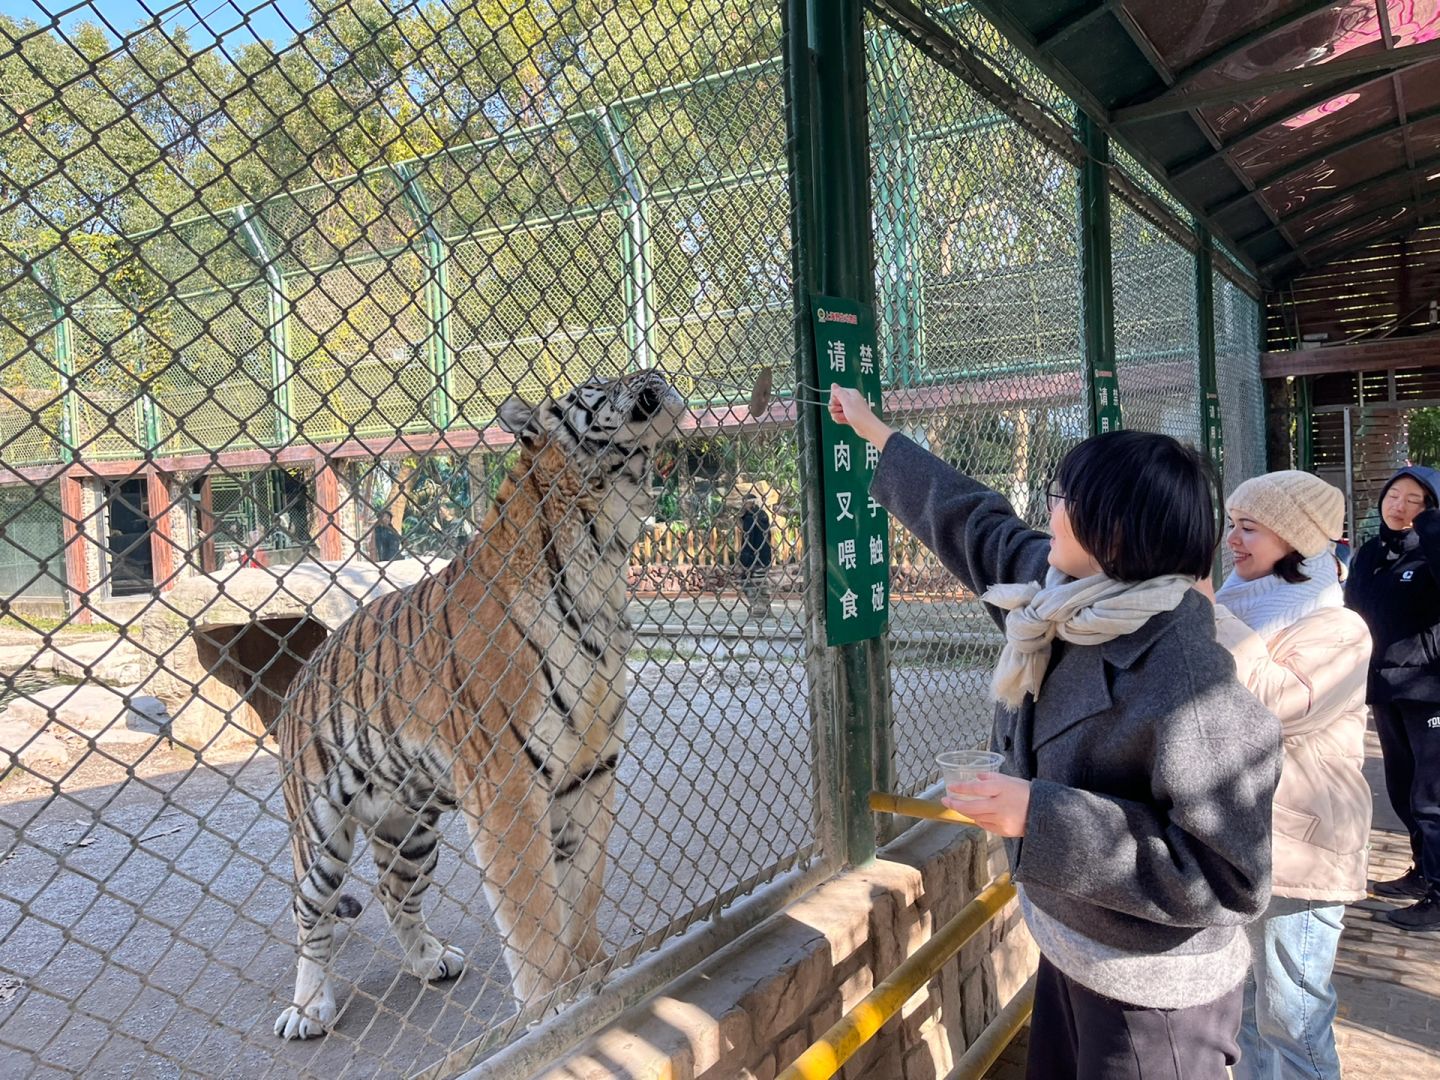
436 963
309 1023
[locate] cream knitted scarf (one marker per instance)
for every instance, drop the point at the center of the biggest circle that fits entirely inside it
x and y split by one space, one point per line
1270 604
1087 611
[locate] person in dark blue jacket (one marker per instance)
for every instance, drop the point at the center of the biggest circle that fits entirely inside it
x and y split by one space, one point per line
756 555
1394 584
387 539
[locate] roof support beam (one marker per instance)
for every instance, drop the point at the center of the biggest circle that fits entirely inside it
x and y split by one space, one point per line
1315 243
1298 166
1414 171
1304 105
1188 74
1401 229
1171 101
1144 45
1067 28
1367 356
1397 86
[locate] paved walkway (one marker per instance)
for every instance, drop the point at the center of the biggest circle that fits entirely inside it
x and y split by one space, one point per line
1389 980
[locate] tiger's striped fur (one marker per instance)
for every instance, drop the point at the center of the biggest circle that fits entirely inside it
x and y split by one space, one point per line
496 686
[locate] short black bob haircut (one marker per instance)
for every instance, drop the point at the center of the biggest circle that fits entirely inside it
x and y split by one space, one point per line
1142 505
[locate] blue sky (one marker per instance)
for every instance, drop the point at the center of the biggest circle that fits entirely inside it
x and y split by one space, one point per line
238 22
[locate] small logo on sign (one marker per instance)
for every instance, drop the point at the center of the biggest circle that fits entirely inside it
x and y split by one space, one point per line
1407 575
1433 722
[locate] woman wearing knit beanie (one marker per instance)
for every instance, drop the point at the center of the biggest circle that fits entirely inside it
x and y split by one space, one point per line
1298 650
1395 584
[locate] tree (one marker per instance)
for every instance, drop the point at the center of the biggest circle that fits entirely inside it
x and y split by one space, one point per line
1424 435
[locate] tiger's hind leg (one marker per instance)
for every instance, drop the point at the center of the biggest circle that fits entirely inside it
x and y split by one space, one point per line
322 841
406 846
582 815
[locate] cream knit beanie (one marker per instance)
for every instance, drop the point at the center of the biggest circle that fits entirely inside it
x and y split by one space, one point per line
1299 507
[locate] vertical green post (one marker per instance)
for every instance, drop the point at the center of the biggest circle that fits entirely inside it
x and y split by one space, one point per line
277 319
635 246
898 220
1304 422
437 298
830 185
69 431
65 361
1211 431
1097 283
145 404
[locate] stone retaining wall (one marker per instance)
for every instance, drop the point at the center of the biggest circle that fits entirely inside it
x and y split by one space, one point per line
751 1009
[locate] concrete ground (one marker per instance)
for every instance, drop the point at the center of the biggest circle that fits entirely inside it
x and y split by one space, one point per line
1388 980
144 896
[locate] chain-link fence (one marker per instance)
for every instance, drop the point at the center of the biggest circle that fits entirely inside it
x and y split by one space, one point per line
456 310
1156 345
978 286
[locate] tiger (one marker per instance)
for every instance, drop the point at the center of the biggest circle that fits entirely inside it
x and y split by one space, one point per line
497 686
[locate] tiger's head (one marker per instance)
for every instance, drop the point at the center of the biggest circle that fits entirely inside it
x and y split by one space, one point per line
601 417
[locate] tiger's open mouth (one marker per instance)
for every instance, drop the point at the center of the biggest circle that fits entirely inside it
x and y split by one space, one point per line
647 404
657 405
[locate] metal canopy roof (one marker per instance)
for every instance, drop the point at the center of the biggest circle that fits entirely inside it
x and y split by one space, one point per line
1300 129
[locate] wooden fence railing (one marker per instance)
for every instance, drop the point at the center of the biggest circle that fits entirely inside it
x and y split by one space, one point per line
708 560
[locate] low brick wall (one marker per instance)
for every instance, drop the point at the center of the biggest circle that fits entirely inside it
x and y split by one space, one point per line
753 1007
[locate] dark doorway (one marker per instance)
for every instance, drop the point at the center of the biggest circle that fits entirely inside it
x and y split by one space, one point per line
132 569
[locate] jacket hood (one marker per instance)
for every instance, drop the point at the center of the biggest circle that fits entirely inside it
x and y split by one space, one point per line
1426 477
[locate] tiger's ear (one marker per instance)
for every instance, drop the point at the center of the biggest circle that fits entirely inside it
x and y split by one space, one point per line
518 417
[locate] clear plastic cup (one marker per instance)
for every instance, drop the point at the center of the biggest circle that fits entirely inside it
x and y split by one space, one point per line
963 766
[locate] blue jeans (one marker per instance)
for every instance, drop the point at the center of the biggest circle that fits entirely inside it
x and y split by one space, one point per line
1287 1027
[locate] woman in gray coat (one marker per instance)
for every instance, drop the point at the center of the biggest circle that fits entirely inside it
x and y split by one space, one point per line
1136 794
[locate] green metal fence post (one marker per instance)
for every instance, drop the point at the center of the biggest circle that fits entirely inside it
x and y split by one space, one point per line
1304 423
64 361
898 222
1211 432
277 318
634 241
1097 282
149 421
437 297
1211 429
833 256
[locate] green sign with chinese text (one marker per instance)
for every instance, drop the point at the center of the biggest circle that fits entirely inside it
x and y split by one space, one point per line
857 529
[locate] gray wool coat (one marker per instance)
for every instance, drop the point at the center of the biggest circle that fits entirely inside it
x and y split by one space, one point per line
1152 768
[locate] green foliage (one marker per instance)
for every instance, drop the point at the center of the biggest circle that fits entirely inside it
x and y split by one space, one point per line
127 168
437 510
1425 437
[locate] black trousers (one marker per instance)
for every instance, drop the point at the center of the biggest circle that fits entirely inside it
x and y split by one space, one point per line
1076 1034
1410 742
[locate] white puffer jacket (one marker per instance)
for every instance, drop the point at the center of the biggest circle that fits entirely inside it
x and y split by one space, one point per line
1312 676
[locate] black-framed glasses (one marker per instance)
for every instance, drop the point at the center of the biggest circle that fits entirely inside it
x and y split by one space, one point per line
1053 497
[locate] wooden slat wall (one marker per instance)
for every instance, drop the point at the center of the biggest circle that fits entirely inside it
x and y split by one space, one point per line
1364 292
1378 430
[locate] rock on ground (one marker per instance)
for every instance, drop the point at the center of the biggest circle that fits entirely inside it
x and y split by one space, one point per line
56 723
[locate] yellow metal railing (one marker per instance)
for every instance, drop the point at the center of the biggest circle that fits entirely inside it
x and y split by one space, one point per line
991 1043
884 803
857 1027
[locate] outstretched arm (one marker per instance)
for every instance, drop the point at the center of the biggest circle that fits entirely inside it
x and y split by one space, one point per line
973 530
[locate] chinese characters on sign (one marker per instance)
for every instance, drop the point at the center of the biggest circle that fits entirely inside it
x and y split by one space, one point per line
857 529
1213 430
1107 402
